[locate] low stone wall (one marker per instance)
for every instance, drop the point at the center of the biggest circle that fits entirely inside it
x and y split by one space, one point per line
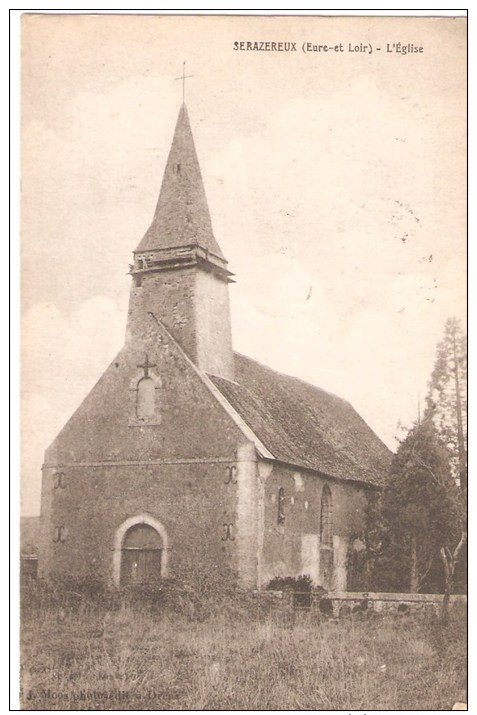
400 603
339 604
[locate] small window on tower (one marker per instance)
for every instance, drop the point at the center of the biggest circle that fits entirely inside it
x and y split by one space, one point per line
177 168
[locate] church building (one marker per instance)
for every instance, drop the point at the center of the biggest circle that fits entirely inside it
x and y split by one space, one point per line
187 458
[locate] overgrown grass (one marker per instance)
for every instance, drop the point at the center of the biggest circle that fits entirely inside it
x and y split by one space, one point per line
83 655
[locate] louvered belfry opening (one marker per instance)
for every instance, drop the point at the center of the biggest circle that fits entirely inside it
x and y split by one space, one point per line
141 557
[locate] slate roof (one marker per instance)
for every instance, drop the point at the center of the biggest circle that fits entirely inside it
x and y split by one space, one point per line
303 425
182 215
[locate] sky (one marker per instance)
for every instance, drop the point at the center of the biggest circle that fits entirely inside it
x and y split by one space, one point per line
336 183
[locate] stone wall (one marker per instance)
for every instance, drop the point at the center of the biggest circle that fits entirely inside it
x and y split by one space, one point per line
105 467
194 306
389 603
347 604
170 296
292 547
191 501
189 422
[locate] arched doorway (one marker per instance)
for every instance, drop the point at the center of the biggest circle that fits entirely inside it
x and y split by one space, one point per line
141 556
129 541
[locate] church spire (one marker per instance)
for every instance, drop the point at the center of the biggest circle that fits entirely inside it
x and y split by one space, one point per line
179 273
182 215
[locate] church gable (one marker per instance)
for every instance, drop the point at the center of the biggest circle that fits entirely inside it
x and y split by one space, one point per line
150 403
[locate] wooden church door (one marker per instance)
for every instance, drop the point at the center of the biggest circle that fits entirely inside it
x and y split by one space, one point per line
141 556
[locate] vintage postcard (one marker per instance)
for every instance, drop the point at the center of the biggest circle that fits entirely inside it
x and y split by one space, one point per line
244 371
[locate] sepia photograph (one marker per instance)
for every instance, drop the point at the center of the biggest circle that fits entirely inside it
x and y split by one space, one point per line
243 478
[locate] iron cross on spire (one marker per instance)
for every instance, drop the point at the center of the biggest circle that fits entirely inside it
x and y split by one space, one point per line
183 77
146 366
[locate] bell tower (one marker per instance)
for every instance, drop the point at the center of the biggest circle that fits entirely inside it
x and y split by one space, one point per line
179 272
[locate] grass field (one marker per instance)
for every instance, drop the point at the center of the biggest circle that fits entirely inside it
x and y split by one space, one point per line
84 656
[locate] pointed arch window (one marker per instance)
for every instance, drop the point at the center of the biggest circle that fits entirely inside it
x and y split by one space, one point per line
326 539
326 518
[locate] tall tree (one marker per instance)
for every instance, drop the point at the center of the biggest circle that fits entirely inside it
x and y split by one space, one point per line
416 515
447 397
447 406
417 532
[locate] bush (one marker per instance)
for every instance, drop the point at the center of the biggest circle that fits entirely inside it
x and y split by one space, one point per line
296 583
196 600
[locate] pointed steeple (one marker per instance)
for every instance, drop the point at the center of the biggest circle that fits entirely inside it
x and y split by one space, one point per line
182 215
179 273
